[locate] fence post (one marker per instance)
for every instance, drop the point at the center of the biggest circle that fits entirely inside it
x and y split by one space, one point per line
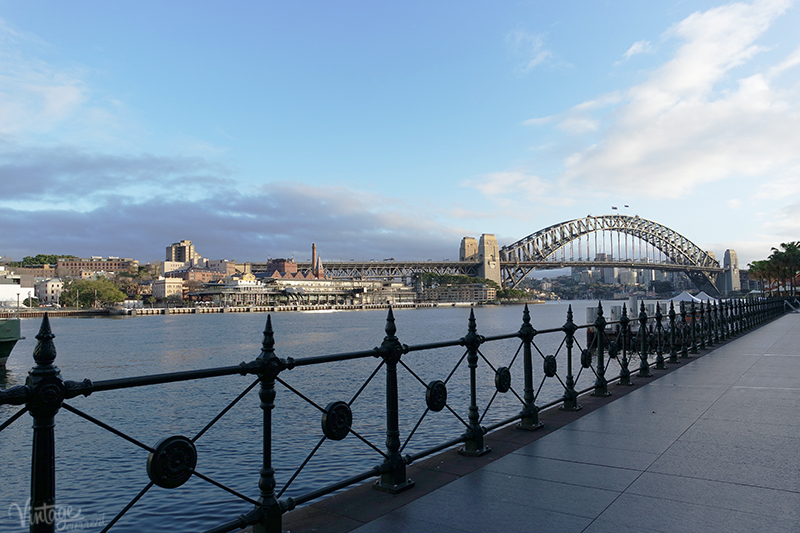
570 394
703 327
693 312
624 371
711 325
644 368
659 338
600 384
684 333
530 413
473 437
47 394
673 353
271 366
393 479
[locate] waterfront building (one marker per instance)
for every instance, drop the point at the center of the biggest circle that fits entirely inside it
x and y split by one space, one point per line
195 273
48 291
30 274
468 292
163 288
12 288
73 267
247 290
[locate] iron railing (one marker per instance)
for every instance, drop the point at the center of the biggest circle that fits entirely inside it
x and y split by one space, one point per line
665 337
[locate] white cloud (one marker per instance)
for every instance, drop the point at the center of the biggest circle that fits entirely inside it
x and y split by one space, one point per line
734 204
639 47
529 47
685 126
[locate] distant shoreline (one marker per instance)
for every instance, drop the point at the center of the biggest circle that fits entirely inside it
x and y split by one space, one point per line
38 313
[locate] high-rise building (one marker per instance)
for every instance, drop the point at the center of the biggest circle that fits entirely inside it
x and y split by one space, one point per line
182 252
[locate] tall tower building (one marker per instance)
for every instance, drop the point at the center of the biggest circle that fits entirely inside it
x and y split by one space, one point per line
730 273
182 252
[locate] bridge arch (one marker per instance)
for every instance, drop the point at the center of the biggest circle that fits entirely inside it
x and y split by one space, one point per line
539 249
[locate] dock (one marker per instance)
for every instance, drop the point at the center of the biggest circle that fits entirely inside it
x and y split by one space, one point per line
711 444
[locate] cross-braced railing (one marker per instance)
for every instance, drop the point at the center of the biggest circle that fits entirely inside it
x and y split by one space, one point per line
174 459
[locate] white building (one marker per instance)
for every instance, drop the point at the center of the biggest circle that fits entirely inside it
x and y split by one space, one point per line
48 291
163 288
12 292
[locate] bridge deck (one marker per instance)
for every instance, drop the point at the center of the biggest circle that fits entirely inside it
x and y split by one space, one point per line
711 445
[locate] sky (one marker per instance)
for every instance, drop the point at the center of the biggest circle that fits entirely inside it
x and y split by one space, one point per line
392 129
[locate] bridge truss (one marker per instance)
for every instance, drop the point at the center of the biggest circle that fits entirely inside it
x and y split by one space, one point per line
664 249
384 270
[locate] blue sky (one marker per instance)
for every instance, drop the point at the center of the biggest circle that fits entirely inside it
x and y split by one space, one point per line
381 129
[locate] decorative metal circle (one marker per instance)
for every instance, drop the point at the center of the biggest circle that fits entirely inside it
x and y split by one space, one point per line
51 393
613 350
336 420
172 462
436 395
502 379
550 366
586 358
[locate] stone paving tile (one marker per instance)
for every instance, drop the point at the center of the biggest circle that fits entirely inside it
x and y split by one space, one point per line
711 430
731 496
473 514
587 453
631 441
779 469
497 488
585 475
656 514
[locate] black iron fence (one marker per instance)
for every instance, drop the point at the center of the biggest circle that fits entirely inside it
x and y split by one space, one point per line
668 336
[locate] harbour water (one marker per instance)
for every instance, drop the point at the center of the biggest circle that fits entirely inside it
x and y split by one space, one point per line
98 473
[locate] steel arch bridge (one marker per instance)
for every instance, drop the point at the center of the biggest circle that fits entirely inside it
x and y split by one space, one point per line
541 250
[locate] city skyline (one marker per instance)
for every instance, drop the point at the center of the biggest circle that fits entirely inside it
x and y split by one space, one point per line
393 130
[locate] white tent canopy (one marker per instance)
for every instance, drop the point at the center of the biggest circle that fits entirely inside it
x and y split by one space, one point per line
686 297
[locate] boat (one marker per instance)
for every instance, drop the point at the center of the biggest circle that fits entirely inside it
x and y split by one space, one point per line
9 335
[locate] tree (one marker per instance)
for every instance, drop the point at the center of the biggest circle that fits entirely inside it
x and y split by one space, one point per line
662 288
42 259
99 292
430 280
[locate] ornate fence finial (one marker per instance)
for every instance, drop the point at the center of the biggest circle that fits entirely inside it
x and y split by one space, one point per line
45 352
390 328
268 343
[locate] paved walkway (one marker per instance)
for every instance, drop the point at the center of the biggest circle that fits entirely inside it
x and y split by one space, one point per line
712 446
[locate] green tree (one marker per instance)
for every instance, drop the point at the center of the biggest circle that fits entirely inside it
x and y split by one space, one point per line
42 259
511 294
431 279
90 293
662 288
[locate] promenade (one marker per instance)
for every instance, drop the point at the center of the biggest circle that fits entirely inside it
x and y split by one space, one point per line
712 444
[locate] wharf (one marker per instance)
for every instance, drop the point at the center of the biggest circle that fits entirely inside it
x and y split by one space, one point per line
710 444
39 313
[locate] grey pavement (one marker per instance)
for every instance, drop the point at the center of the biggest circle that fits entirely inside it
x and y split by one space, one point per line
712 446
